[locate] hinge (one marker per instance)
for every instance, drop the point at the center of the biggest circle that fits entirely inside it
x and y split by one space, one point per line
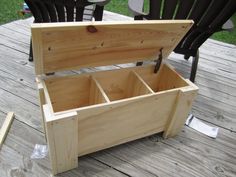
159 61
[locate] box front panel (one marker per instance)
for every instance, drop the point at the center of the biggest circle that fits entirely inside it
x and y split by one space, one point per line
123 121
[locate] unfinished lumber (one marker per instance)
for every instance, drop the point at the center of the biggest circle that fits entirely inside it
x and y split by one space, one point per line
5 127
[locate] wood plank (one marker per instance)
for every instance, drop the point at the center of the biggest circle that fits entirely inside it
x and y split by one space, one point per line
18 63
11 34
16 151
13 44
14 26
111 16
206 70
81 45
215 101
5 127
188 154
24 110
218 80
18 87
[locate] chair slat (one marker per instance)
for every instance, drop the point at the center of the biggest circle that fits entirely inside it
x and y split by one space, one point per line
50 5
79 13
199 9
43 9
60 10
184 9
98 13
225 14
155 9
70 7
35 11
169 9
227 11
213 10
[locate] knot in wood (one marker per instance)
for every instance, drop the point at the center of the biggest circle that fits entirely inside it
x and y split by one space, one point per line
91 29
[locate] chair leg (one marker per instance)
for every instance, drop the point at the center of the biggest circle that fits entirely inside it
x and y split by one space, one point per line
194 67
186 57
31 51
139 63
140 17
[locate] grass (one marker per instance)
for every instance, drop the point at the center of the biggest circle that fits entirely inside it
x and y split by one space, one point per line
225 36
9 11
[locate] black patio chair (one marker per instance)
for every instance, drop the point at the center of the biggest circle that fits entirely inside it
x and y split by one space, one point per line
209 16
46 11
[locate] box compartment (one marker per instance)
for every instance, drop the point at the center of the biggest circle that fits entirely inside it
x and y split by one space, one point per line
121 84
74 92
166 79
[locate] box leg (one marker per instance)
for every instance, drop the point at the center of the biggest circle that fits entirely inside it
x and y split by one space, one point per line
62 136
180 112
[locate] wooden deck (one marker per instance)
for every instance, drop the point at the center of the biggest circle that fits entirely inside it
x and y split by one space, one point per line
188 154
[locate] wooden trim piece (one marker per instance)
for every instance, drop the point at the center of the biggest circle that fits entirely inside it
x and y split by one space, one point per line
41 100
180 111
37 45
62 136
5 127
71 25
47 97
97 94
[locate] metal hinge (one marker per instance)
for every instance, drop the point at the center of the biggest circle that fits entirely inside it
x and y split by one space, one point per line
159 61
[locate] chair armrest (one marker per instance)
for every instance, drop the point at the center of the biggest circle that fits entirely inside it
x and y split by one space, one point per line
99 2
228 26
136 7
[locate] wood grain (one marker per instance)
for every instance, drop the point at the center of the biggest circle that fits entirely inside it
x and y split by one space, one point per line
66 46
5 127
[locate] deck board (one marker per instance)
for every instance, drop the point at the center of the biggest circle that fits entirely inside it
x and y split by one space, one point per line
188 154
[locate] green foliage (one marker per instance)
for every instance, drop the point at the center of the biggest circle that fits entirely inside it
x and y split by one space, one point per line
225 36
118 6
9 10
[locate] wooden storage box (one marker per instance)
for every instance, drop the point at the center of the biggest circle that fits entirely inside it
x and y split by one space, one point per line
84 113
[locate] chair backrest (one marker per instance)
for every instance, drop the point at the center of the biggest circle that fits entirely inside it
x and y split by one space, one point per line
62 10
208 16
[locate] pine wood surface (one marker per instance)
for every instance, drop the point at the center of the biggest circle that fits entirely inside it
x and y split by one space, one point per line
188 154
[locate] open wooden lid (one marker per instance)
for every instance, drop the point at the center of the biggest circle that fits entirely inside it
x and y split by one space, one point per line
66 46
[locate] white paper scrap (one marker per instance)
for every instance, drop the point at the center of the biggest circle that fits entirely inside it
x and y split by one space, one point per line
198 125
39 152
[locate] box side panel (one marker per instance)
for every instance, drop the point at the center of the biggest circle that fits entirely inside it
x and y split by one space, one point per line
123 121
